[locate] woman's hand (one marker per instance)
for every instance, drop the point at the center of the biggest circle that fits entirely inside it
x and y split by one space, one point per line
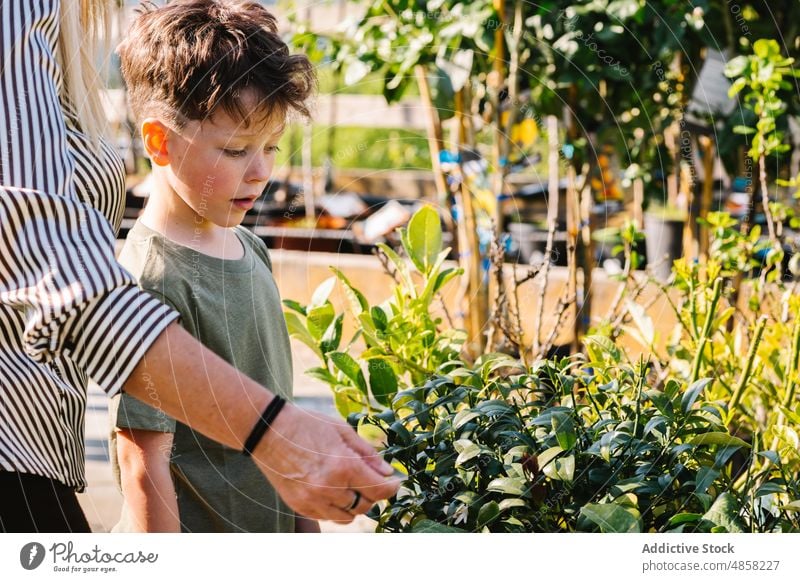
318 464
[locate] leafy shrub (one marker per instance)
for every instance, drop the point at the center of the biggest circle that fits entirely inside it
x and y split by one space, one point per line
589 443
404 343
562 447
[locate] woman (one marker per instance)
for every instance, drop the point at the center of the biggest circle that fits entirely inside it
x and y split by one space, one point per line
69 312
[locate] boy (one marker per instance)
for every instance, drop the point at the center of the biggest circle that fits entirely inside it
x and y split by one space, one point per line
211 83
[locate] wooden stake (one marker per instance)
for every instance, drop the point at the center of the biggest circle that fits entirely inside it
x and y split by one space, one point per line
707 145
433 129
573 229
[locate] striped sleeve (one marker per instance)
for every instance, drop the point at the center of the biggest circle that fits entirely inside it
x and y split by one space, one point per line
57 263
57 266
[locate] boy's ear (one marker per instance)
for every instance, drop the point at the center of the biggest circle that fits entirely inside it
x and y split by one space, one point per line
154 138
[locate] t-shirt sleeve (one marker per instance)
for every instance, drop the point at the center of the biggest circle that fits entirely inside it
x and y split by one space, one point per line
132 413
57 264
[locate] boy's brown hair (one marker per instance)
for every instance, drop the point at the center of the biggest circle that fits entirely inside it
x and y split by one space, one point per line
184 60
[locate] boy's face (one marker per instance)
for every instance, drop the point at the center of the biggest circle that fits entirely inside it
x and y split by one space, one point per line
219 167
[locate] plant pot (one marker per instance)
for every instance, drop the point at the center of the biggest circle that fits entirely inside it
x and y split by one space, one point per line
664 240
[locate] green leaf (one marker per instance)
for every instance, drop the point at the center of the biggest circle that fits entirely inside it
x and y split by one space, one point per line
705 478
743 130
298 330
321 374
737 86
319 320
613 518
684 518
792 506
379 318
347 400
295 306
382 381
321 293
601 348
466 450
424 240
350 368
358 303
725 513
429 526
770 487
693 392
512 502
508 485
736 66
401 266
718 438
435 283
407 245
488 513
773 457
333 335
558 469
564 427
368 329
463 417
400 434
764 48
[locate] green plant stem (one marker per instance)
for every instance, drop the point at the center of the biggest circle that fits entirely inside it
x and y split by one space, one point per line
795 359
639 387
665 290
749 473
748 368
790 383
693 308
716 292
762 173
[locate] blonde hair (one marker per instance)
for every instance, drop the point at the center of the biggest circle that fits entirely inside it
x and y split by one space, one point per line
85 30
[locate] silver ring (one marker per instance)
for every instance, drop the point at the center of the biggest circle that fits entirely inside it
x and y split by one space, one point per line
356 500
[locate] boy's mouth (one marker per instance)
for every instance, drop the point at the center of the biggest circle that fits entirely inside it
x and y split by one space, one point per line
245 203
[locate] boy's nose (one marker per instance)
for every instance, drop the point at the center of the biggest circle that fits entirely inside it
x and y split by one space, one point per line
261 169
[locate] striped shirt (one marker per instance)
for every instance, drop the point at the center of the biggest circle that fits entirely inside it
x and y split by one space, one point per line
68 311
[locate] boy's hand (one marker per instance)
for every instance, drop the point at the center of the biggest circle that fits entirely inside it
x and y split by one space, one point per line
321 467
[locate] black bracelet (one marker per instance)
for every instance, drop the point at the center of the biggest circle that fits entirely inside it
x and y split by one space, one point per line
262 425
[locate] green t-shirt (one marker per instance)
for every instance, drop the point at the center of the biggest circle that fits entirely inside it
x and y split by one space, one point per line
234 308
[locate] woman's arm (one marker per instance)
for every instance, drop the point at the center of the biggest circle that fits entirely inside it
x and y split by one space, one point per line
146 481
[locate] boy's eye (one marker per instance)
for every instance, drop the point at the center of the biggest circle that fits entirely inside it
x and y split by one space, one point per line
234 153
272 149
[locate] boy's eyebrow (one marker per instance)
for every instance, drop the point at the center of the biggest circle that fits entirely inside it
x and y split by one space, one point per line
247 136
261 130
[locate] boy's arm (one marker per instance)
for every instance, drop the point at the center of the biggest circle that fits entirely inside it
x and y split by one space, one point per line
305 525
146 481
